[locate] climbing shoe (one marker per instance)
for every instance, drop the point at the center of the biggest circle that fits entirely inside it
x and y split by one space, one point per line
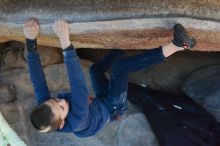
181 38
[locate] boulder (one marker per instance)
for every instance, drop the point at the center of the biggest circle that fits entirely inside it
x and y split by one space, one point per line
11 56
136 131
55 75
137 24
205 78
49 55
169 75
7 93
203 86
12 60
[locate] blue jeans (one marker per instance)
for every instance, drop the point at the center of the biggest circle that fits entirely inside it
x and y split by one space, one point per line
114 90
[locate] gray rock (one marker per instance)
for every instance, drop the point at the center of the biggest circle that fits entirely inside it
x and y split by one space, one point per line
204 87
20 80
113 24
136 131
49 55
15 45
55 74
13 60
12 56
93 10
203 84
170 75
7 93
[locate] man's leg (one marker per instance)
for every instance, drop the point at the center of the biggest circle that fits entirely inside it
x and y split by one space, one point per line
118 84
97 72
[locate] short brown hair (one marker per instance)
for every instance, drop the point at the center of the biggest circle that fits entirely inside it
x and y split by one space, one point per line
42 118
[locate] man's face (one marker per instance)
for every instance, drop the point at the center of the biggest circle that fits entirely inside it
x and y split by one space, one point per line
60 107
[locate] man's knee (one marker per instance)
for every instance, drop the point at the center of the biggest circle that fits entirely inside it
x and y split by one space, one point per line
92 69
117 67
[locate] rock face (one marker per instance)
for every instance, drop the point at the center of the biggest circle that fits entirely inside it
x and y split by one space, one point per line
11 56
203 86
208 78
93 10
137 124
133 129
7 93
170 75
50 55
138 24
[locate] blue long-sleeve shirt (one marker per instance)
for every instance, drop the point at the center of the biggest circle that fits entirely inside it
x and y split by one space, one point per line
83 119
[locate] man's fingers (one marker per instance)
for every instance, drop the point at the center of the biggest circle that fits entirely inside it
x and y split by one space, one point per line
53 27
62 24
33 19
25 24
31 23
28 23
67 25
36 21
60 27
58 23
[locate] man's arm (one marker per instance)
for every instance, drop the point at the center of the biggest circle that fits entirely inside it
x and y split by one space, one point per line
78 85
37 77
79 98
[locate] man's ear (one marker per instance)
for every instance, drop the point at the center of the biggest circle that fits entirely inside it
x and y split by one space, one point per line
62 124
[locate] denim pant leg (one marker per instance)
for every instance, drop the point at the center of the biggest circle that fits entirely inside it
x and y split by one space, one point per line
97 73
118 84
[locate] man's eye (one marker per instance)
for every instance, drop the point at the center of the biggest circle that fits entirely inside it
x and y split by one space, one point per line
62 107
57 100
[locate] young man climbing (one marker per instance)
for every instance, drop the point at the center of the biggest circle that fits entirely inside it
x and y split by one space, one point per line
72 112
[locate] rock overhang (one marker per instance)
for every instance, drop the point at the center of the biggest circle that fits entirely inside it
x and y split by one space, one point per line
16 11
138 24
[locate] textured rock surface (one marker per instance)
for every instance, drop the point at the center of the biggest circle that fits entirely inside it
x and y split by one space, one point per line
11 56
206 77
94 10
203 86
7 93
137 124
138 24
50 55
169 75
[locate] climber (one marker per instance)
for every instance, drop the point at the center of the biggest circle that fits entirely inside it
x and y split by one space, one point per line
72 111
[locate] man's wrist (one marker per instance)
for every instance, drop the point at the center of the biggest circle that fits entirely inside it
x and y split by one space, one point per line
70 47
65 43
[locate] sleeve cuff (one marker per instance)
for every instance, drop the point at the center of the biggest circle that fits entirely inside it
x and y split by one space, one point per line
69 52
70 47
31 45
